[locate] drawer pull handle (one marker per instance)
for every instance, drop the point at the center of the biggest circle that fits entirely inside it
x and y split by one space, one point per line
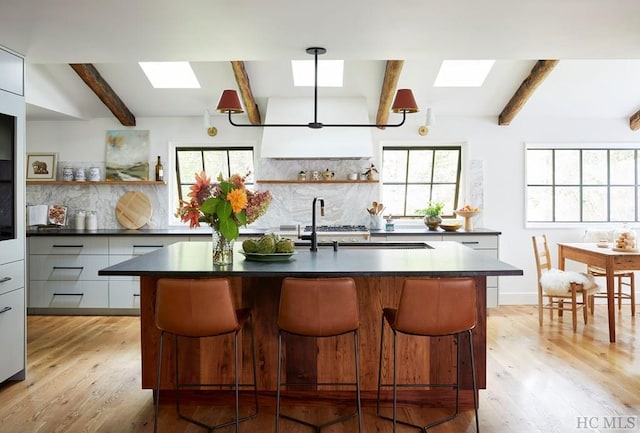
5 309
67 246
68 267
469 242
136 294
67 294
5 279
148 246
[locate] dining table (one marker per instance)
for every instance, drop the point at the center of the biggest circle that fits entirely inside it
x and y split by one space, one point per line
606 257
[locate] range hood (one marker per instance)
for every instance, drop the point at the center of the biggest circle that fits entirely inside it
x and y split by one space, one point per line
325 143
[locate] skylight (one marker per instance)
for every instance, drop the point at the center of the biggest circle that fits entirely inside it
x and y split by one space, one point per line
330 73
463 73
170 75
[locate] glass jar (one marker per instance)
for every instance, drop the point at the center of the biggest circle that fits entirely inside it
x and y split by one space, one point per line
624 239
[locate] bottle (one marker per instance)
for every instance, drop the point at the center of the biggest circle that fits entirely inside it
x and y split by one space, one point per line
159 170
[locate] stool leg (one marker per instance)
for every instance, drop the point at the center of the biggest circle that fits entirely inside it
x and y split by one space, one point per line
395 380
157 405
358 401
235 379
277 430
473 380
380 368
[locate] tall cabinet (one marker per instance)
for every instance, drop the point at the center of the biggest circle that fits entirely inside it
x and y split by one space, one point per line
12 221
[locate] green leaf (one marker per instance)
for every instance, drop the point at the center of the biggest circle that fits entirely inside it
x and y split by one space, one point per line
224 209
210 205
228 228
225 187
242 217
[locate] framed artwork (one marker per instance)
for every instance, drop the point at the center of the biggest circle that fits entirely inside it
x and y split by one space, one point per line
42 166
127 156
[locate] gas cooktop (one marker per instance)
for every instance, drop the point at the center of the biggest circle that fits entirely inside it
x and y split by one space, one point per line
344 228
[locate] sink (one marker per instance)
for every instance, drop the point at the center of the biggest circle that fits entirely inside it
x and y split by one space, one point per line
370 245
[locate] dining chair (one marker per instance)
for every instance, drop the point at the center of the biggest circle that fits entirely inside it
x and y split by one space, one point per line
557 287
622 278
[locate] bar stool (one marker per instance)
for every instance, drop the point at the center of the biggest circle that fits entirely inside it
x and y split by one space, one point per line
201 308
432 307
318 307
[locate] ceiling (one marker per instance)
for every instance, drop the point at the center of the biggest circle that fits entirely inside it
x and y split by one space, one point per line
597 42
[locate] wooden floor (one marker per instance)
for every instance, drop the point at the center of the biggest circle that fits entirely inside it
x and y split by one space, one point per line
84 376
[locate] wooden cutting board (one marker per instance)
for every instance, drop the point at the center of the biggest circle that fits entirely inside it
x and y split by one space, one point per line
134 210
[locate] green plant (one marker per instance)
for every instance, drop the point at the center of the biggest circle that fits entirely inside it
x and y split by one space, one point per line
433 209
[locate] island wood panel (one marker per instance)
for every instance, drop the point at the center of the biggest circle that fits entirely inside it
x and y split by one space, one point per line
327 360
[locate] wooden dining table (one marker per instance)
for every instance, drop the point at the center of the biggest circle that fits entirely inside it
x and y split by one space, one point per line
607 258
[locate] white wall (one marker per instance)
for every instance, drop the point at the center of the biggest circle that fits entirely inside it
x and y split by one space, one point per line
499 150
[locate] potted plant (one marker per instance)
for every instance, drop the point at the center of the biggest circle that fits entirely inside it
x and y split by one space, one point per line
368 172
431 214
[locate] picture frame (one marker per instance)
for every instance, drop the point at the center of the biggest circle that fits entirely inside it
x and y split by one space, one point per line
42 166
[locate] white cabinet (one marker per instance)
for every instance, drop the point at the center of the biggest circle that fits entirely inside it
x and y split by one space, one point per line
124 291
63 272
12 335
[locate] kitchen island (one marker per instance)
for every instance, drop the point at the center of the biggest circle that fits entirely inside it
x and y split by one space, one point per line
378 273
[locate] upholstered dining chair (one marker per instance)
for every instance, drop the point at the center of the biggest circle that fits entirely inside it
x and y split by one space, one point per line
202 308
557 287
431 307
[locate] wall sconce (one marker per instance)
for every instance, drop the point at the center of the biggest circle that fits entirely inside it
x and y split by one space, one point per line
430 121
404 103
211 130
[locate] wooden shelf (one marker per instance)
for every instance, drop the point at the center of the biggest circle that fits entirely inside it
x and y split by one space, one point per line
102 182
316 181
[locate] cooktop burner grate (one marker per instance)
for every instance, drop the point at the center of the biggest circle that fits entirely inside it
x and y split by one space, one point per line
345 228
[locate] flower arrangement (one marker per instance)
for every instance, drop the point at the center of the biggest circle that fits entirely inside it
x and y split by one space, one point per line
225 205
369 171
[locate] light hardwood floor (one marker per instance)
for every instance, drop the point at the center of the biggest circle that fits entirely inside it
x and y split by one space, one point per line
83 376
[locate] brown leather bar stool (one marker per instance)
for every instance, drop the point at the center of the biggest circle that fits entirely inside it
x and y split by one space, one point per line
201 308
318 307
432 307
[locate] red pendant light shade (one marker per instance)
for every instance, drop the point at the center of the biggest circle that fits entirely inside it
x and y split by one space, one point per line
404 102
229 102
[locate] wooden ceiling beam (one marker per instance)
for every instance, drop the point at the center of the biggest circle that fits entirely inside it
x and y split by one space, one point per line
389 85
242 79
540 71
634 121
101 88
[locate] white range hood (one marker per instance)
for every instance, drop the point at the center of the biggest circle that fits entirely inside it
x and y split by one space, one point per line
325 143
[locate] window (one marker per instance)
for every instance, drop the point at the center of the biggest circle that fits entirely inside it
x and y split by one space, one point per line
582 184
191 160
414 176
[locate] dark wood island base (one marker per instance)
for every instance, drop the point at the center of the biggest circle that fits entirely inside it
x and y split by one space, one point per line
378 275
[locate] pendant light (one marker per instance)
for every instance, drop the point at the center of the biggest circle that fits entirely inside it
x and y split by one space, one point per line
404 103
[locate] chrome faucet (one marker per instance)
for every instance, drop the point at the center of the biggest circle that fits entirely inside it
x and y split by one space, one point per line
314 234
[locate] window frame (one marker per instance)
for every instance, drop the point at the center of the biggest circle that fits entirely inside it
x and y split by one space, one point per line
581 147
406 183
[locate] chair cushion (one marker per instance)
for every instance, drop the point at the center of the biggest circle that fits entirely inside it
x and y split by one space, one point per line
558 282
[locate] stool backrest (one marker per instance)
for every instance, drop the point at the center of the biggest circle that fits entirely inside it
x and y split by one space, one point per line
437 306
195 307
318 307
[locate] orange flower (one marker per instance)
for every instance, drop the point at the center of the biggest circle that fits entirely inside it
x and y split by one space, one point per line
238 199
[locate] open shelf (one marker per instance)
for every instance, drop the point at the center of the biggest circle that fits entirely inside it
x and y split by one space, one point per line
102 182
316 181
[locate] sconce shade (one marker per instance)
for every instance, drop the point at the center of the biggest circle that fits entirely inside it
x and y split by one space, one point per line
404 102
229 102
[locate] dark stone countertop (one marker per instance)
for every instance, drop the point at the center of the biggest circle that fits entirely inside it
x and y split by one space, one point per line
441 259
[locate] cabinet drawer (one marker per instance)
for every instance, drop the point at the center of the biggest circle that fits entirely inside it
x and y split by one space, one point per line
63 268
11 276
114 260
68 294
12 328
138 245
124 294
477 242
71 245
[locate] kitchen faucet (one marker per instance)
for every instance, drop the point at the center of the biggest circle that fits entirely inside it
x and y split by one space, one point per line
314 234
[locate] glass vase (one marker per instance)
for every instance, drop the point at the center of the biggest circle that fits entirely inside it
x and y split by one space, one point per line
222 248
